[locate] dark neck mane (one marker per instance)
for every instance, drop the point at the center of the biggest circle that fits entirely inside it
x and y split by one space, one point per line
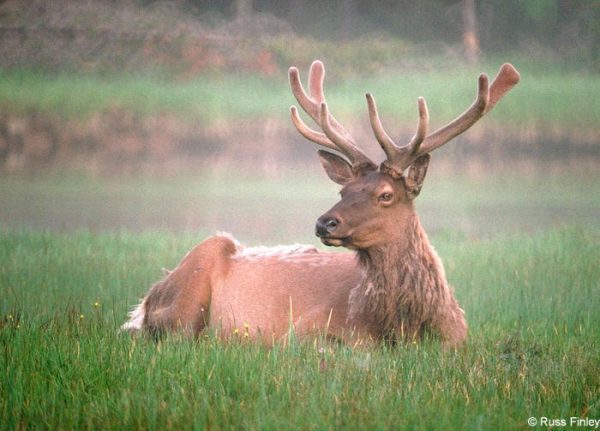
402 283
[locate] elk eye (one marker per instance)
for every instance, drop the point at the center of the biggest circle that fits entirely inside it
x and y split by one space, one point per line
385 197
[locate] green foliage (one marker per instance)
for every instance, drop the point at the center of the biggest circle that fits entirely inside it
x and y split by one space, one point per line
188 38
534 346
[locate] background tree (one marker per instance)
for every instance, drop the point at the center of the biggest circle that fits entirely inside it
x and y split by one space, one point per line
470 37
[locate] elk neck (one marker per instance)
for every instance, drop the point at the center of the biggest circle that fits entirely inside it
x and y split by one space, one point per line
402 280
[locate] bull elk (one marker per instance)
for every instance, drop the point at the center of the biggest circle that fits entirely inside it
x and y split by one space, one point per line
391 287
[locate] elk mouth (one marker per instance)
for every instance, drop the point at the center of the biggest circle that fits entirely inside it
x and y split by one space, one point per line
336 241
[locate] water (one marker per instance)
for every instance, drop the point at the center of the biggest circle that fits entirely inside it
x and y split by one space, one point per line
259 209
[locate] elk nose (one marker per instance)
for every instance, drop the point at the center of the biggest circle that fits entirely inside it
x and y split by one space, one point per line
326 226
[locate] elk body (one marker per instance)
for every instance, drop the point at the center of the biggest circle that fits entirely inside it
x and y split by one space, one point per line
391 287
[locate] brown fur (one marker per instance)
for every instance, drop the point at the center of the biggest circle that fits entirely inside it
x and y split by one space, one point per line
404 294
179 301
261 292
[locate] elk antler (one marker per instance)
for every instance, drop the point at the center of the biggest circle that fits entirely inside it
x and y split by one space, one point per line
400 158
335 136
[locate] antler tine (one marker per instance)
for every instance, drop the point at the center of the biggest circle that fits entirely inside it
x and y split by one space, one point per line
487 97
308 133
400 158
316 77
422 127
387 144
357 157
506 79
397 155
461 123
312 104
309 106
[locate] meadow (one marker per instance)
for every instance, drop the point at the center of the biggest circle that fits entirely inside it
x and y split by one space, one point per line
545 96
530 289
136 98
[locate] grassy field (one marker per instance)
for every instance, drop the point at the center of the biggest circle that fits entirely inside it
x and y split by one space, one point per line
531 301
76 253
545 96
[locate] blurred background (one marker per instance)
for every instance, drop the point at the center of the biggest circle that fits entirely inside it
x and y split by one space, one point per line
174 115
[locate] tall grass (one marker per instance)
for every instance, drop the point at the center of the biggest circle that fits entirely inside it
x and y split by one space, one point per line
545 96
532 303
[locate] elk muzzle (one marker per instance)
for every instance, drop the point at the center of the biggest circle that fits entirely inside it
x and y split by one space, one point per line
326 226
332 232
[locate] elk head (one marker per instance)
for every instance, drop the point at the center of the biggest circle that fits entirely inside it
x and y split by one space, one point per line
377 201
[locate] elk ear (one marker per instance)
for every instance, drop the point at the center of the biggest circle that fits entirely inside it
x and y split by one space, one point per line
416 175
337 169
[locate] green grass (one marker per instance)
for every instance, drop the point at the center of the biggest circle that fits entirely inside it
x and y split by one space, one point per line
531 301
83 95
545 96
